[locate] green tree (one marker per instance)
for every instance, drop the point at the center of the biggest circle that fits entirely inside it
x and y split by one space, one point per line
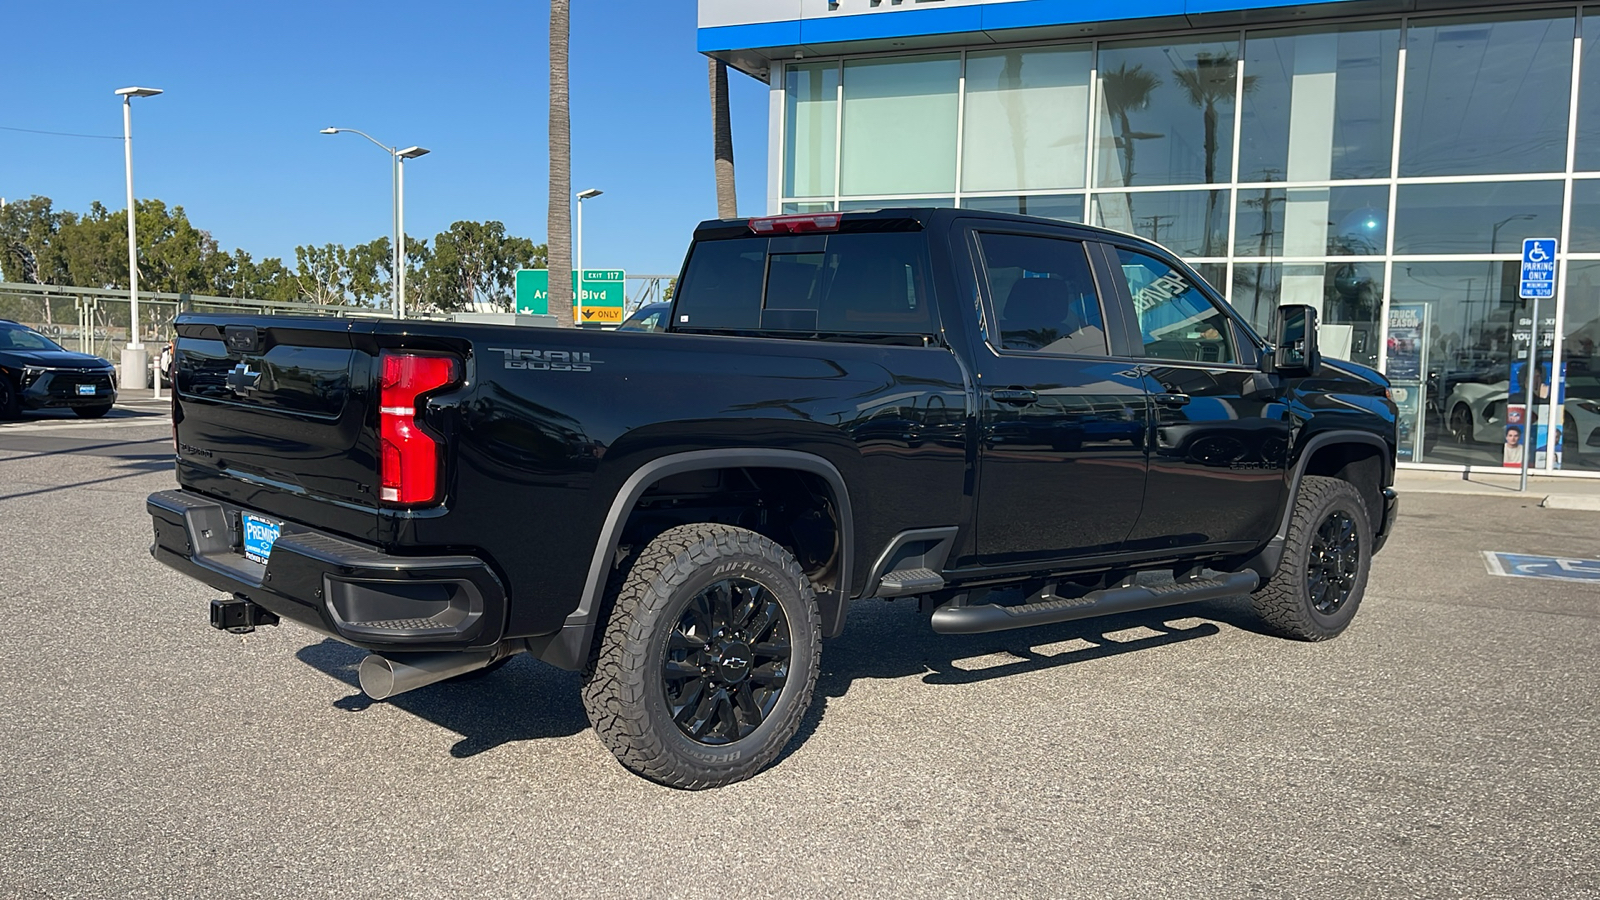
560 214
322 274
474 264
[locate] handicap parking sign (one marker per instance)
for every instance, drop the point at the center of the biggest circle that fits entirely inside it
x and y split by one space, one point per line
1538 269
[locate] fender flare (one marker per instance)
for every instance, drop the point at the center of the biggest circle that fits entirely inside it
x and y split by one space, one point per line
1265 563
569 647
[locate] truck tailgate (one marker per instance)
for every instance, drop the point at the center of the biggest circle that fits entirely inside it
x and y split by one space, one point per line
276 415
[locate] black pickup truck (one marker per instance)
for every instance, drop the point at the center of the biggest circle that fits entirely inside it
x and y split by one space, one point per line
1016 421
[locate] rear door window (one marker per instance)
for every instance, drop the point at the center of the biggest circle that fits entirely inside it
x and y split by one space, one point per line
1044 295
831 284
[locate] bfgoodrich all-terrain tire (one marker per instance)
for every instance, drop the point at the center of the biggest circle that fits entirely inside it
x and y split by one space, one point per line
1319 583
708 660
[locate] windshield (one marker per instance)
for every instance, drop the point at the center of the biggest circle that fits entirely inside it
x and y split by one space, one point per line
13 337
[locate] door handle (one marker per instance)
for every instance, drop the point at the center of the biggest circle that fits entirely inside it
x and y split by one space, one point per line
1173 399
1015 396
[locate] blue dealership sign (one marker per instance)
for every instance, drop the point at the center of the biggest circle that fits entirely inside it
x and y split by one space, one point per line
1521 565
1538 269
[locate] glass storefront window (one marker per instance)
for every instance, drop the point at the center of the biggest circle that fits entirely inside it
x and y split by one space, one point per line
1589 95
813 207
811 121
1300 222
1585 237
1319 103
1166 112
1487 95
1468 321
1068 207
1580 351
1190 223
1027 115
1475 218
900 125
909 202
1348 295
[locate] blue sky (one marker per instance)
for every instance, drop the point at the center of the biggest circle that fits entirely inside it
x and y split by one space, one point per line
234 138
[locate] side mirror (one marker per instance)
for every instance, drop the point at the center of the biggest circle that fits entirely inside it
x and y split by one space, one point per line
1295 338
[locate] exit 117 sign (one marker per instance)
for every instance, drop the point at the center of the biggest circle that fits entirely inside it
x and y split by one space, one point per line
600 303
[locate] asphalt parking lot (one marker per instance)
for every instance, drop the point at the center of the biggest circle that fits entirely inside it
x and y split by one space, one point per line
1448 745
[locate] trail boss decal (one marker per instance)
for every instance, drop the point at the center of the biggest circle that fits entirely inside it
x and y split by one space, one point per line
548 360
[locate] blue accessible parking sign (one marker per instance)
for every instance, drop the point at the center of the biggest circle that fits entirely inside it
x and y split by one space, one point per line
1538 269
1521 565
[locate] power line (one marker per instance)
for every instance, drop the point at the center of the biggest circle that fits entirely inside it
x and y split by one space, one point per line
107 137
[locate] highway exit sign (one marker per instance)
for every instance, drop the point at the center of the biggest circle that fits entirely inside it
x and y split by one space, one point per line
601 302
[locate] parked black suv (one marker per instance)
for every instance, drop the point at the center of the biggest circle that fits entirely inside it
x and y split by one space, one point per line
1018 421
38 373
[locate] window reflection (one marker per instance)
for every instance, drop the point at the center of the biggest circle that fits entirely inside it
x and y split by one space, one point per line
1166 112
899 125
1580 351
1301 222
1320 104
1347 294
1067 207
1190 223
1027 114
1487 95
1475 218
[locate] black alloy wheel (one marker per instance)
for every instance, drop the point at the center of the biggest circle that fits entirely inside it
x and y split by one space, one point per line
707 658
1322 575
1335 563
727 661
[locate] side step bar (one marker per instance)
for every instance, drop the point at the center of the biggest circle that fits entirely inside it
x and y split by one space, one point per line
984 619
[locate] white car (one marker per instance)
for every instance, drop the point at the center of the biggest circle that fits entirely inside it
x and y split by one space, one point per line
1476 412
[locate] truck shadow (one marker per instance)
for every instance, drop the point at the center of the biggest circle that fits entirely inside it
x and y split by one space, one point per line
891 641
530 700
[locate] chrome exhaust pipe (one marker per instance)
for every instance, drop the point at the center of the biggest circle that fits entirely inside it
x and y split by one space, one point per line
383 677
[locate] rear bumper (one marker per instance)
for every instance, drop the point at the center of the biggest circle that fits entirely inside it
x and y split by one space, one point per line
353 592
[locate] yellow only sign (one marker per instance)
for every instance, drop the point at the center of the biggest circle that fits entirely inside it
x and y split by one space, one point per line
605 315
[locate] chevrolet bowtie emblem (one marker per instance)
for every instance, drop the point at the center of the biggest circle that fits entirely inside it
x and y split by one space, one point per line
241 380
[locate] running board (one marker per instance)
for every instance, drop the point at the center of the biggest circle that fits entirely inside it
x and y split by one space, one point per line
984 619
905 582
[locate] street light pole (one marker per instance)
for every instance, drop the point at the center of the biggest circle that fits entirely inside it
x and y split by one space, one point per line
577 246
397 217
133 355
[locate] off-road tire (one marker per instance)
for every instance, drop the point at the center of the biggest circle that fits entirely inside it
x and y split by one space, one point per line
92 412
626 685
1288 604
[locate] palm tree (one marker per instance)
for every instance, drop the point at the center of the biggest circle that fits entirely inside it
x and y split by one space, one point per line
1211 80
722 141
1127 89
560 218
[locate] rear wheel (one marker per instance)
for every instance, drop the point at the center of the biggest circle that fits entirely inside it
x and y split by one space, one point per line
1461 424
92 412
709 659
1323 573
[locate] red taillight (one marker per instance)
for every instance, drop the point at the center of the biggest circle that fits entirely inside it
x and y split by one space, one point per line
410 459
796 224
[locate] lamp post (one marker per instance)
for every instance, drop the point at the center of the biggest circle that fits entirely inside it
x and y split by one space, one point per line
133 356
577 244
397 158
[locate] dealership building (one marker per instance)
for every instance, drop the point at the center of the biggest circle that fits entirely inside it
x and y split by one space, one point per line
1382 160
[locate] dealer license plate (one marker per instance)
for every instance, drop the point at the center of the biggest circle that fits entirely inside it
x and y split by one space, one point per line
259 536
86 390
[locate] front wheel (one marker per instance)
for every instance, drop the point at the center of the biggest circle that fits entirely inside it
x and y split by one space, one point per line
9 407
1323 573
709 659
1461 424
